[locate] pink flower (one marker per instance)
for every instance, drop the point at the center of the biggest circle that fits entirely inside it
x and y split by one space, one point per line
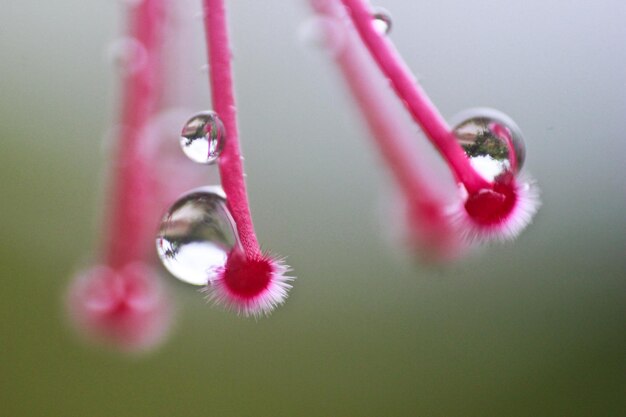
120 301
497 208
427 227
124 308
250 282
252 286
499 212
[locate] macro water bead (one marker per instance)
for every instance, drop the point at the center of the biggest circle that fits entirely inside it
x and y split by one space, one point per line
491 140
381 19
196 236
202 138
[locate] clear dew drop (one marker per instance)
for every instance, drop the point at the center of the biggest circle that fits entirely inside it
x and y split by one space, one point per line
381 19
492 141
157 145
196 235
202 138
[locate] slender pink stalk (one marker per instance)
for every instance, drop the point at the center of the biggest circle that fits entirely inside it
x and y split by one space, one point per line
429 225
127 228
222 91
120 302
417 102
250 282
498 209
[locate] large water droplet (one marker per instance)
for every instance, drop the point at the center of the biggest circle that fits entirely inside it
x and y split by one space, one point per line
196 235
202 138
382 21
492 141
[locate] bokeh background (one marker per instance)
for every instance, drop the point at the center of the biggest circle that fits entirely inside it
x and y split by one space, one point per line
532 328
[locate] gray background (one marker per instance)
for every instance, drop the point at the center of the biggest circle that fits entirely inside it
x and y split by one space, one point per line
533 328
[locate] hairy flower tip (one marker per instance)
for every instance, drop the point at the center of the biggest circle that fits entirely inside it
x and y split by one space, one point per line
252 286
125 309
497 213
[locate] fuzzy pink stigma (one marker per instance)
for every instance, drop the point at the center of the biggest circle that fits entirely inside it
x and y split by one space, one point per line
490 206
251 285
500 212
125 308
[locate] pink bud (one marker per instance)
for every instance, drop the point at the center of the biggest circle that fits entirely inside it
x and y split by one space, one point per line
500 212
253 286
124 308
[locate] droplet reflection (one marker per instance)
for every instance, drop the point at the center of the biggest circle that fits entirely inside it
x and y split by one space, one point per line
196 235
491 140
203 137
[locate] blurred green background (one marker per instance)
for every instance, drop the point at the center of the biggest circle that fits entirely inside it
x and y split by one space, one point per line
532 328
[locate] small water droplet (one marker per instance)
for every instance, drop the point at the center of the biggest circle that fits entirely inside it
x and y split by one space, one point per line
158 147
127 54
382 21
203 137
492 141
196 235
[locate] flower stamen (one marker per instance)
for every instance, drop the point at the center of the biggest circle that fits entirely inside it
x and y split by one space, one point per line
249 279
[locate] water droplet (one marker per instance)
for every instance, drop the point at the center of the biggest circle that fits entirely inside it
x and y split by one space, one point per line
196 235
382 21
492 141
158 147
127 54
203 137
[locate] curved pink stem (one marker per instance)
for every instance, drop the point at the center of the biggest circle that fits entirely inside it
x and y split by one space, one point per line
395 137
395 143
417 102
222 91
127 227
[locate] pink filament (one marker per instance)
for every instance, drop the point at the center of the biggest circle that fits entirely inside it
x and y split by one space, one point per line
417 102
127 228
222 91
396 141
